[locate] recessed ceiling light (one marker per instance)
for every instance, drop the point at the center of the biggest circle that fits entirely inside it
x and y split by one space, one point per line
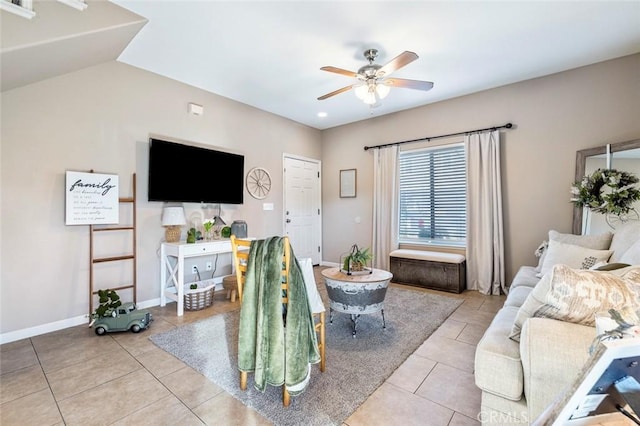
322 114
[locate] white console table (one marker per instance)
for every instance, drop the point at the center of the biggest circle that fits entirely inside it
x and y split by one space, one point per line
172 257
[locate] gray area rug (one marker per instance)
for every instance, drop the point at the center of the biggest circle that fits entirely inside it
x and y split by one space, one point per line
355 367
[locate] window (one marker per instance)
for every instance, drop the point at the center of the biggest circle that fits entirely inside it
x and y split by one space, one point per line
433 196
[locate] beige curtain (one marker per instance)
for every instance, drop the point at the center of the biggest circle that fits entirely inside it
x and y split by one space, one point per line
385 205
485 238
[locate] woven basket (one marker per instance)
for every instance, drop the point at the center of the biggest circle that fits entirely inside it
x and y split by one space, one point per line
199 298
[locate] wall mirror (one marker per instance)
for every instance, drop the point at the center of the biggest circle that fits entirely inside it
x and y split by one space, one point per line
623 156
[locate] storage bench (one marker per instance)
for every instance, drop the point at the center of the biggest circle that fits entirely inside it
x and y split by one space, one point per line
429 269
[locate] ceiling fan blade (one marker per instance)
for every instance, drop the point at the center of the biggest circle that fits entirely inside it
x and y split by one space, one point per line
340 71
335 92
396 63
408 84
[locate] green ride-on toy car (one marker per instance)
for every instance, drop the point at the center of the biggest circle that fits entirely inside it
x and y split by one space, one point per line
122 318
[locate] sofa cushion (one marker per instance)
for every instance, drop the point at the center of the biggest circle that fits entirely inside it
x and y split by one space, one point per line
517 296
526 276
498 369
535 300
574 296
625 236
572 255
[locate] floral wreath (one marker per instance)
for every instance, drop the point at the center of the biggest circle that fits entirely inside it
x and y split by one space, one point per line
590 192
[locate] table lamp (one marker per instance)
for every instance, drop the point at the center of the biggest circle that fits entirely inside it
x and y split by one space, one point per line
173 219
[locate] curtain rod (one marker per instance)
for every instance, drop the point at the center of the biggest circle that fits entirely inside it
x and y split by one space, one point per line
506 126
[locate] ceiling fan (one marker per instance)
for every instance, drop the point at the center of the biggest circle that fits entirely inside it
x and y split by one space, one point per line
373 82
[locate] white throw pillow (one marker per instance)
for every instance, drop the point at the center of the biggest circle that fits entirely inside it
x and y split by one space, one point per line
576 257
596 242
626 235
632 255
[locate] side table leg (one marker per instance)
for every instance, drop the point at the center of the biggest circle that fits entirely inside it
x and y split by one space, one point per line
354 320
384 323
330 315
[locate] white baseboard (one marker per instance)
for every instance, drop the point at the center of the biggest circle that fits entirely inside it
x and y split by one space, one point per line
331 264
25 333
12 336
148 303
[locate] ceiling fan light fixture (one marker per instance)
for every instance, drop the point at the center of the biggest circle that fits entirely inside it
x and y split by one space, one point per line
372 85
382 90
361 91
370 93
370 98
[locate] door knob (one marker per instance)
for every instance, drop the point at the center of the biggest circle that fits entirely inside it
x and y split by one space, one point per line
288 220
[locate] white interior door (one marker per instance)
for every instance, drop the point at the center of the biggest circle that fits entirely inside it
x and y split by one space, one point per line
302 214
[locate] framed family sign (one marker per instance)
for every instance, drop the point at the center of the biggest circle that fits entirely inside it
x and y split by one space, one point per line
91 199
348 183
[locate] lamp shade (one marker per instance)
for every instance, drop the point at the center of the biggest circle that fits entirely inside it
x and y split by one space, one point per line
371 92
361 91
382 90
172 216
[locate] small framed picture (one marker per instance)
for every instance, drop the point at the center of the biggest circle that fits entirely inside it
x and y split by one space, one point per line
348 183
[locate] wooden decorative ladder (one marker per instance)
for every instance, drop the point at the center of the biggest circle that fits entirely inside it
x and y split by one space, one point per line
129 256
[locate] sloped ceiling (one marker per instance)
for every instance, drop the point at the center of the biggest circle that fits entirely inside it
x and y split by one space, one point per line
60 39
268 54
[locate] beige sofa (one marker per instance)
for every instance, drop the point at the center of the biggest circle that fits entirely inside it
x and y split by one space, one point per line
520 379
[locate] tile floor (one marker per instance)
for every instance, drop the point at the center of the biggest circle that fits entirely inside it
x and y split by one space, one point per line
73 377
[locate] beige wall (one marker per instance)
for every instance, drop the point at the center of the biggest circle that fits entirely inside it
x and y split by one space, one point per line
101 118
554 116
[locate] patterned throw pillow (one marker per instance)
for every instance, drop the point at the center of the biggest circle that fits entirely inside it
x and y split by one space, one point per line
596 242
573 256
575 296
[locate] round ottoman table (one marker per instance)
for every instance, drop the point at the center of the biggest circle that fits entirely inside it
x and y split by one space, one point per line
356 294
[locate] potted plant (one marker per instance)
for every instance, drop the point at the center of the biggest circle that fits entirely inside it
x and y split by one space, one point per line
193 235
109 300
357 259
113 315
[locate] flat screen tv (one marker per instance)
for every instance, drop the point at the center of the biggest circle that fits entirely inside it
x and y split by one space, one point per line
190 174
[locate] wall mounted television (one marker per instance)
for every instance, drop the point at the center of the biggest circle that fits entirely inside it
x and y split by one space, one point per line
190 174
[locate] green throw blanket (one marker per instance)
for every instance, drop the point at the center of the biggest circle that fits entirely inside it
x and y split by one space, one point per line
276 354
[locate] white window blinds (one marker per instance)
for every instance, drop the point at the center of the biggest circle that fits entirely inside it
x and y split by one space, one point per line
432 190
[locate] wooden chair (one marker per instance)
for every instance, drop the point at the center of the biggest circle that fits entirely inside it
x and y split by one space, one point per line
240 249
